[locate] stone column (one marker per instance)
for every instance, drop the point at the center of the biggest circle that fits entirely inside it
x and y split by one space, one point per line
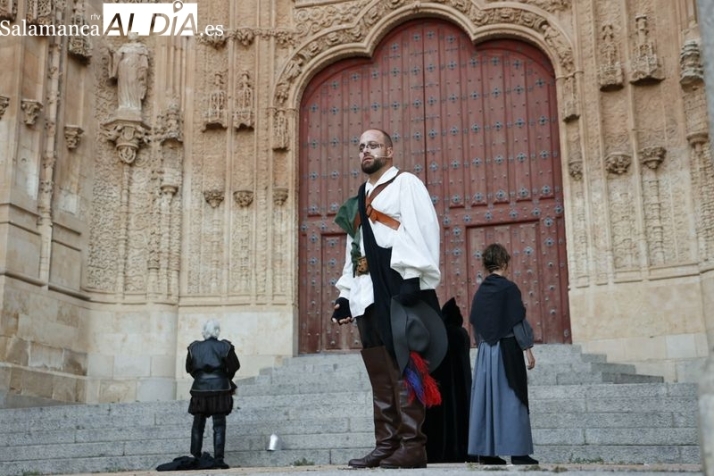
706 382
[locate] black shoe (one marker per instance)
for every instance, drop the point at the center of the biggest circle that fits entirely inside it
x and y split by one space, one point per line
490 460
523 460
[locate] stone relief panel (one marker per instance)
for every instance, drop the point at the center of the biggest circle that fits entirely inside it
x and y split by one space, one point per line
79 46
610 74
4 104
39 12
646 65
244 114
8 9
578 206
703 183
651 158
621 202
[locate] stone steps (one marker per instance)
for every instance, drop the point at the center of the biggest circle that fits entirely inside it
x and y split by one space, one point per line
303 402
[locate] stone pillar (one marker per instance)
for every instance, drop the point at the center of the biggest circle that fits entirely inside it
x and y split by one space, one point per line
706 382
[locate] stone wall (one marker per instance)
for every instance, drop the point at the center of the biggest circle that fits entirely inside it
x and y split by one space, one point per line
137 200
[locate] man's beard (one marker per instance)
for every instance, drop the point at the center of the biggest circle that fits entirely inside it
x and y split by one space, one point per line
377 163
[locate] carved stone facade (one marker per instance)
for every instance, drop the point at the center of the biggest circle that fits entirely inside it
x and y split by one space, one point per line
164 190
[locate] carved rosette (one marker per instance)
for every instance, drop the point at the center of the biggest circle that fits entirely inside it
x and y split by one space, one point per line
8 9
31 109
691 70
213 197
127 136
4 103
280 196
72 135
617 163
243 198
652 157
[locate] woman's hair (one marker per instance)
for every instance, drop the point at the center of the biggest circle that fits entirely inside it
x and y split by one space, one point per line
211 329
495 257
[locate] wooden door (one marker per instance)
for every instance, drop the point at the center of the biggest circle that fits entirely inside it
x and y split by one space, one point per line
478 124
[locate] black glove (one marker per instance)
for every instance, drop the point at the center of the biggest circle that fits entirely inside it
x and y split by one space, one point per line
343 312
409 293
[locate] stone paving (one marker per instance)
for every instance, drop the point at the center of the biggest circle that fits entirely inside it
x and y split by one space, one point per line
440 469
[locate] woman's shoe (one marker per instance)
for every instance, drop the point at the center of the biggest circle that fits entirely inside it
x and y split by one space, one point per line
490 460
523 460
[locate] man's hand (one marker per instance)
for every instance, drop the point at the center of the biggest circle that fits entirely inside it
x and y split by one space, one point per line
342 313
530 359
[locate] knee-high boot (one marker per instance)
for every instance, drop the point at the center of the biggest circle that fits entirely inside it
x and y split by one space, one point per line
412 450
199 424
383 376
219 437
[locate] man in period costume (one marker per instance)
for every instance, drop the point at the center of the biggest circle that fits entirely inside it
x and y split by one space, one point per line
388 285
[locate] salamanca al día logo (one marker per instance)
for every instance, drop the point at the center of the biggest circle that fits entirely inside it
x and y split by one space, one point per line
144 19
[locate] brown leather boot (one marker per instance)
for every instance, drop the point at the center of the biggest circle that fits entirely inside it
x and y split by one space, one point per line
412 451
383 376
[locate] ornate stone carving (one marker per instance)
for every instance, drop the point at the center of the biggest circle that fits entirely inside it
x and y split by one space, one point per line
293 69
691 71
79 46
72 135
215 41
214 197
244 36
281 134
32 109
39 12
243 116
312 21
4 103
282 91
130 67
571 108
610 75
575 168
127 136
8 9
617 163
243 197
216 115
652 157
646 65
280 195
170 124
555 40
547 5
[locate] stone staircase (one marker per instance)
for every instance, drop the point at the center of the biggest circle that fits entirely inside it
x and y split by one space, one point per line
583 410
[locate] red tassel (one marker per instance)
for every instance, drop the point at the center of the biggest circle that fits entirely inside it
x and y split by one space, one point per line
429 394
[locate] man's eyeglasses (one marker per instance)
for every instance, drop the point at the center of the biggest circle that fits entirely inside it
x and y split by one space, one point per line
370 146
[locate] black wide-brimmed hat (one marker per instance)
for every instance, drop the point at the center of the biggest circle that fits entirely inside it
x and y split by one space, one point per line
418 328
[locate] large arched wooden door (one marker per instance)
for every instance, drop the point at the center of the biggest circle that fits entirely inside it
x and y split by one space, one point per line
478 124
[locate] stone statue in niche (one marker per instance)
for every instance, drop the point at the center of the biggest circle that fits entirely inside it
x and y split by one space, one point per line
79 46
646 66
570 99
280 131
130 67
610 69
216 113
244 116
